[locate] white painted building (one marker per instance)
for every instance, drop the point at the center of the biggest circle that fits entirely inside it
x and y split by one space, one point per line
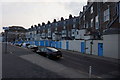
79 34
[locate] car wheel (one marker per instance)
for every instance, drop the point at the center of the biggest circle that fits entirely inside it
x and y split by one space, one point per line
47 55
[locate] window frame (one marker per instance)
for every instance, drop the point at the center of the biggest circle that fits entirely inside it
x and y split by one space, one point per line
106 15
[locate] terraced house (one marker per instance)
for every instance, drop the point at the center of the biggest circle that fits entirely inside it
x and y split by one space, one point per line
90 24
93 32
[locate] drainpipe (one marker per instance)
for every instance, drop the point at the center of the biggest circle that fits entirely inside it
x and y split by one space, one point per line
85 46
91 44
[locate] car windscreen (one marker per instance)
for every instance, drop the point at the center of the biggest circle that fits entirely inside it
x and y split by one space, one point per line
33 46
52 49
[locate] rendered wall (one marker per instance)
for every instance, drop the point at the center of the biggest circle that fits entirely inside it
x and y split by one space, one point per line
95 46
75 45
63 44
111 45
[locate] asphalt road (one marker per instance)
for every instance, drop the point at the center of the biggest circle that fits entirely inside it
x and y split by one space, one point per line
14 66
100 68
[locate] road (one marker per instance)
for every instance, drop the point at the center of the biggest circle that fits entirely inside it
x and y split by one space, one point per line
100 68
15 67
20 62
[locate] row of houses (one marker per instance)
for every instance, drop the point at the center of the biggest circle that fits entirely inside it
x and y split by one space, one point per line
94 31
14 33
90 24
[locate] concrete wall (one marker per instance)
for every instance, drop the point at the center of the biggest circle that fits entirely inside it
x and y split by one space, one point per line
0 39
80 34
63 44
88 47
95 46
75 45
111 45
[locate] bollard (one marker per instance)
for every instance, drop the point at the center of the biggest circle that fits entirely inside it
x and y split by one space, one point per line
90 71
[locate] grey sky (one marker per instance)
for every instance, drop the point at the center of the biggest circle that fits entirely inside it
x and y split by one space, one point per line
30 12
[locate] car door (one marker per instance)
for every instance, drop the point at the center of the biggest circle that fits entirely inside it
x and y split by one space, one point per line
43 51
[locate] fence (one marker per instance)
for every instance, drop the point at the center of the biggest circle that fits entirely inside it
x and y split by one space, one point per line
84 46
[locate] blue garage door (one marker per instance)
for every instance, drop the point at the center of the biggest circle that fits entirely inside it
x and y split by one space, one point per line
46 43
41 43
57 45
82 47
100 49
36 43
67 45
60 44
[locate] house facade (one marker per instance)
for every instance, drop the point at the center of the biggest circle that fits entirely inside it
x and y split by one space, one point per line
95 19
14 33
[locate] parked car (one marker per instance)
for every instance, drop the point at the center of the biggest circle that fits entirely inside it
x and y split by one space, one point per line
25 45
32 47
20 44
49 52
16 44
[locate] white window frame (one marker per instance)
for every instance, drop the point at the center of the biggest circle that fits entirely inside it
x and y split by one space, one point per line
96 22
74 25
91 22
84 17
56 29
106 14
73 32
86 24
91 9
64 27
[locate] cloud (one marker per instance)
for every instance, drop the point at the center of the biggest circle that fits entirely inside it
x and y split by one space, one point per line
26 13
43 0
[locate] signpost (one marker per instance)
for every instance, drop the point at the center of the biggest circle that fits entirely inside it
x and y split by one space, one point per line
6 31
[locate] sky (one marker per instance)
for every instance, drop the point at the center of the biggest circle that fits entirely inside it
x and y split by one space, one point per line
31 12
